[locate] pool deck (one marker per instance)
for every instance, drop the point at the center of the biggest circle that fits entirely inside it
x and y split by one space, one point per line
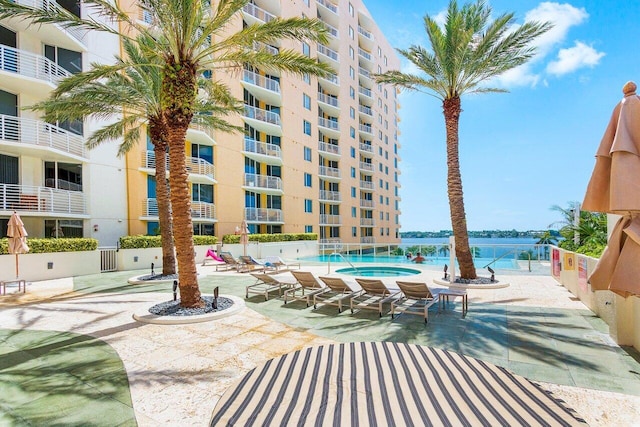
177 373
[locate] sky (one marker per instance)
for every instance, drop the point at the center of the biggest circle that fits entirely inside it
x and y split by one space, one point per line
523 151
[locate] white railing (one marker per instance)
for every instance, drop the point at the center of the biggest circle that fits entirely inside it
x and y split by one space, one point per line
328 99
145 16
328 171
264 148
262 46
330 195
41 199
364 91
326 3
366 166
367 222
331 124
263 215
195 165
366 147
328 148
258 13
150 207
262 181
77 33
328 52
260 80
43 134
203 210
365 33
330 240
331 78
195 125
365 128
364 72
326 219
365 110
367 239
366 55
30 65
364 203
367 185
61 184
331 29
262 115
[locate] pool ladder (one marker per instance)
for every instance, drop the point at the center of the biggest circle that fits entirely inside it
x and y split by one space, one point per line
341 256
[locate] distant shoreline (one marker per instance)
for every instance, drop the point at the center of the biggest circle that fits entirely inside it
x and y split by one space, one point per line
485 234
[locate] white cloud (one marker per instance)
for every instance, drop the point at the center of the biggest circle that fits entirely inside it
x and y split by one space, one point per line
519 76
573 58
562 16
440 18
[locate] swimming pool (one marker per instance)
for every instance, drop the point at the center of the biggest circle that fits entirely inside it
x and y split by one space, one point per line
378 271
504 263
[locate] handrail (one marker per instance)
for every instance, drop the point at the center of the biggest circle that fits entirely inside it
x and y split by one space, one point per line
345 260
513 251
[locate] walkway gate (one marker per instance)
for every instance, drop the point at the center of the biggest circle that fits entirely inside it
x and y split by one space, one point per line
108 259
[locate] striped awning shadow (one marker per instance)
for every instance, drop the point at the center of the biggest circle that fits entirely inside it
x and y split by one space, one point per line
383 383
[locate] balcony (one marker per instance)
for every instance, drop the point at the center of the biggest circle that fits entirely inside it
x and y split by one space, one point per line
329 103
329 126
330 241
365 55
366 185
326 219
329 151
264 88
333 31
365 92
262 183
367 222
25 72
329 173
199 133
365 38
199 170
331 81
365 128
367 239
262 152
256 15
364 73
37 138
257 46
364 203
42 201
200 211
263 215
366 149
54 34
366 166
366 110
365 33
330 196
263 120
328 5
329 53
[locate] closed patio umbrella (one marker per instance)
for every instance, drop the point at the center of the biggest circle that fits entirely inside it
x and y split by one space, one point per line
615 188
17 238
244 236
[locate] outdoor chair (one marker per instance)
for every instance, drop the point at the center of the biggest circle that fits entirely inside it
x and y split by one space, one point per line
279 264
338 292
416 299
248 263
375 294
265 284
230 263
306 287
211 258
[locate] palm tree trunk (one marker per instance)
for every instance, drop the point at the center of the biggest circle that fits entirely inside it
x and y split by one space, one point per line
158 135
451 108
178 97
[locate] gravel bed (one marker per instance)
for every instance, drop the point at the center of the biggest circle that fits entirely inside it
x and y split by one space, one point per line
476 281
159 277
172 308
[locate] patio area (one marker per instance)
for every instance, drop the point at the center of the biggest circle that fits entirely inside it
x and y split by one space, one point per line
176 374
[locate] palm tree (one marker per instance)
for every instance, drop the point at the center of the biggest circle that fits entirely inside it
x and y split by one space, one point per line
192 36
133 85
547 239
466 52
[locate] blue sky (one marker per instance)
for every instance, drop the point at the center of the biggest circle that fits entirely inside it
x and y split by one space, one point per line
526 150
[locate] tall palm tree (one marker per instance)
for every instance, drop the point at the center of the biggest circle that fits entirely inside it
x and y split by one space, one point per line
194 37
466 52
133 84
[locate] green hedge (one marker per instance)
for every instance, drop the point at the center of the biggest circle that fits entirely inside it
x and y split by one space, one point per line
41 246
138 242
267 238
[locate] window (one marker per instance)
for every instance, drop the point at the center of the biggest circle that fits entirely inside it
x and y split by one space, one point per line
381 215
307 154
352 73
353 172
306 127
385 94
354 231
352 53
354 212
353 152
386 154
352 92
387 201
68 59
307 179
353 191
386 185
306 78
386 170
380 151
381 183
351 33
306 50
381 199
351 9
308 228
352 132
64 176
385 60
308 205
306 101
352 112
379 52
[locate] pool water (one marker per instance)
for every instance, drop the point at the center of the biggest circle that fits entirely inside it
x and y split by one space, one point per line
378 271
507 264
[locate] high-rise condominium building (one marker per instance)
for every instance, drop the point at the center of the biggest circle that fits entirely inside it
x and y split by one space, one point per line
317 154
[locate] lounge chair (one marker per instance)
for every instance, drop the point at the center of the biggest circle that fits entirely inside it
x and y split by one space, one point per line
248 263
230 263
265 284
375 294
307 286
279 264
416 299
339 291
211 258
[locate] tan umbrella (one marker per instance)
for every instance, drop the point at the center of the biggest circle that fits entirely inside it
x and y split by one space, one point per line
17 238
615 188
244 236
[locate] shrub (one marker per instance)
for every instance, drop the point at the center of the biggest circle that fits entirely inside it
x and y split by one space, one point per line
41 246
267 238
141 242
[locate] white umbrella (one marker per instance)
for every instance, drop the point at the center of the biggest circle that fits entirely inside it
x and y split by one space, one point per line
17 238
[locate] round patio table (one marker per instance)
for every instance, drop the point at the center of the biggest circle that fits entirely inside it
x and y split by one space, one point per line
385 383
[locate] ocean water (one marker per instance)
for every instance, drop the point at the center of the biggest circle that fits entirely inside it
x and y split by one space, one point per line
491 248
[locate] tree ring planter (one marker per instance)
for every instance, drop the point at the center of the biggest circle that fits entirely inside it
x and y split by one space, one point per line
231 304
147 279
480 283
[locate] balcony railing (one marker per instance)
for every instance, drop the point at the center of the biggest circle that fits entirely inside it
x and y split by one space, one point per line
332 78
30 65
365 33
367 239
195 165
329 171
262 115
42 134
366 185
364 203
326 219
260 80
328 99
328 52
201 210
367 222
327 123
42 199
326 3
258 13
264 148
364 72
328 148
262 46
364 91
366 147
365 110
150 207
330 240
263 215
365 128
195 125
366 55
331 29
333 196
366 166
51 5
262 181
